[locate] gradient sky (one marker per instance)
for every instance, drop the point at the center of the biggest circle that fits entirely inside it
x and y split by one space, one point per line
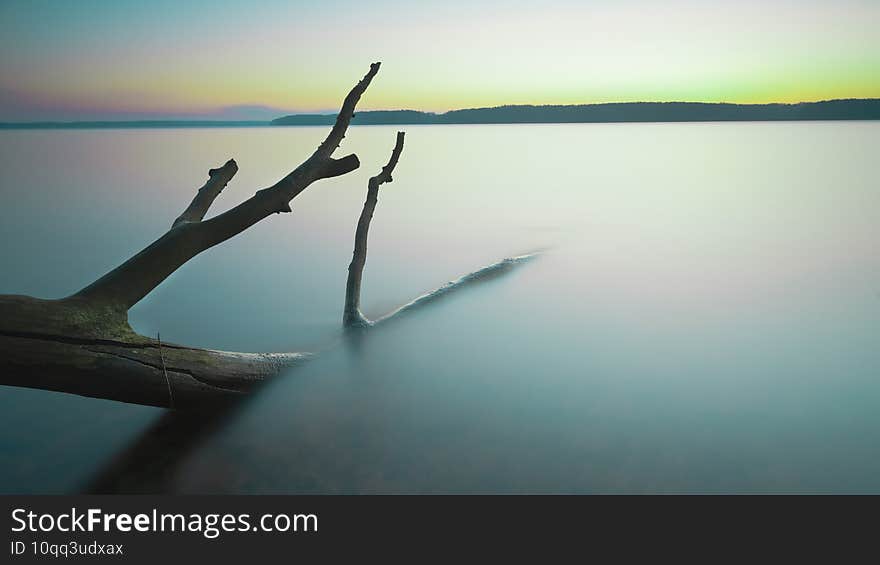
121 59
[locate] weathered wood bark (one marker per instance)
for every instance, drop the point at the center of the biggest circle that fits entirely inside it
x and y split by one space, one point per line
84 345
352 315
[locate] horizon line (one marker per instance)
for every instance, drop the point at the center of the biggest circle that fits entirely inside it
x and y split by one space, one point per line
173 118
219 122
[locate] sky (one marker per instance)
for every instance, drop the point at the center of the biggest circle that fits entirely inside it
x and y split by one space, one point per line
220 59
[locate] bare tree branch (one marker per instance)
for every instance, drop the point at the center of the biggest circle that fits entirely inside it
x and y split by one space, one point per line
346 113
486 273
217 181
126 285
352 315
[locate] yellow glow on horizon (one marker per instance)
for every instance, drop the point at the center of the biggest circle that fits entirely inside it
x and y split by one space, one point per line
448 55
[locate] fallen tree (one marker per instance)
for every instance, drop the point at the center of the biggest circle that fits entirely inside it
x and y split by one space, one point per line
83 344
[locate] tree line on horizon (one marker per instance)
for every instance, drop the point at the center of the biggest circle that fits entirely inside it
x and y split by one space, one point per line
848 109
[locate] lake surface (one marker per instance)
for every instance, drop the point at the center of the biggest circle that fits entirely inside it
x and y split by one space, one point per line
704 317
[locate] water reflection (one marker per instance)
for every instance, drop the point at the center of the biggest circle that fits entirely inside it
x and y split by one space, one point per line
151 463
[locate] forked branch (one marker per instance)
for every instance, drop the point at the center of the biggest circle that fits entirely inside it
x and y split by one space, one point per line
190 235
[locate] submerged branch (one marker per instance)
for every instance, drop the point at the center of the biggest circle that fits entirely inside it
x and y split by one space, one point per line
480 275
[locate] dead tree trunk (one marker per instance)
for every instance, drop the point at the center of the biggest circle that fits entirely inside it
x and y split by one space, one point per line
84 345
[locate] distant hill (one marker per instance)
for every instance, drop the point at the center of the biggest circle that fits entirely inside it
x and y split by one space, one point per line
851 109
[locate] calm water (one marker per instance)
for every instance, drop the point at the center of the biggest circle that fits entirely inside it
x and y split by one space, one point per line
704 319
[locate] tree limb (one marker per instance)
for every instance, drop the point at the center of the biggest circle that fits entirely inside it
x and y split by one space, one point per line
126 285
217 181
352 315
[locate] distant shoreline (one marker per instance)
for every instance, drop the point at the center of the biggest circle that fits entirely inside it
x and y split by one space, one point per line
619 112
